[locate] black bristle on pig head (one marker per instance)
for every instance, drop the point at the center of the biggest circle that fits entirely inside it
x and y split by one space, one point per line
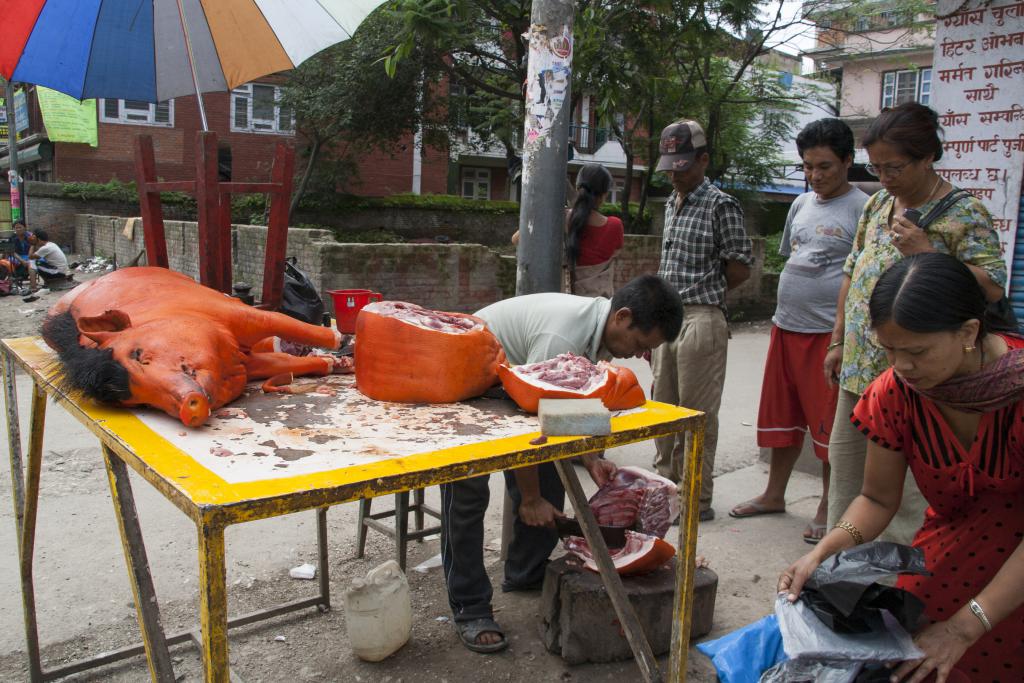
90 370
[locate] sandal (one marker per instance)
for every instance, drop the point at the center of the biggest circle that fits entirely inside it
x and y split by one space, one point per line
470 630
817 533
757 510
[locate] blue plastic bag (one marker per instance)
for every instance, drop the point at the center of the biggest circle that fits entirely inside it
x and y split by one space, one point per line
743 655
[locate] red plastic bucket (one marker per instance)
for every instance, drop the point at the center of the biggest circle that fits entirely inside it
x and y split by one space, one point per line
348 303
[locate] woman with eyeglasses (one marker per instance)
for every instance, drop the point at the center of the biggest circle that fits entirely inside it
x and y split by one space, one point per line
903 146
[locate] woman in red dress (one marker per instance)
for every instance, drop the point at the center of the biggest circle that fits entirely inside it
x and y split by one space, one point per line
951 408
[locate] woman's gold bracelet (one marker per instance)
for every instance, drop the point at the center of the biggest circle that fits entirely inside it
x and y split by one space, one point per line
858 538
834 345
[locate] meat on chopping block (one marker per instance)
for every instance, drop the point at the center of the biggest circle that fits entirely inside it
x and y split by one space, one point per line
150 336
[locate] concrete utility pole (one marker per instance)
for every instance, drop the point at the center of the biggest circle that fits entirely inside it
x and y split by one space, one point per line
545 147
17 191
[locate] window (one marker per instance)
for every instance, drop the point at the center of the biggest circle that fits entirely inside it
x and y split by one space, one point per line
913 85
256 108
863 24
476 183
137 112
616 190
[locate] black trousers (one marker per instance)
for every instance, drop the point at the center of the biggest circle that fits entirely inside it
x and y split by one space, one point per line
463 506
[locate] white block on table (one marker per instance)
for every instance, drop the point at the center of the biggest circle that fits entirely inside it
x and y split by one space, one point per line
574 417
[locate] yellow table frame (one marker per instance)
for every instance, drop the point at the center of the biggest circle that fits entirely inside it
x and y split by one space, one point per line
214 504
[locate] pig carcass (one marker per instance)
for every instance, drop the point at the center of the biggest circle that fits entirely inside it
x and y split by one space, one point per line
572 376
150 336
409 354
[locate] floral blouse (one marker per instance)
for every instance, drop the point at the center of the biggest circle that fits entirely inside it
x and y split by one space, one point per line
964 230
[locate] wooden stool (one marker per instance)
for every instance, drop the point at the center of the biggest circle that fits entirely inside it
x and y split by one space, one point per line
400 532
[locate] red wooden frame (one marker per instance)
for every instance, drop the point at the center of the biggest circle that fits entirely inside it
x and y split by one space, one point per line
213 201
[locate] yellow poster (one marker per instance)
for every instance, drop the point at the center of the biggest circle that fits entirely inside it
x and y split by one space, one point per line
67 119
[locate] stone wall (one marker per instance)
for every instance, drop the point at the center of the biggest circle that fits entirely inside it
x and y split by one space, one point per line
454 277
49 209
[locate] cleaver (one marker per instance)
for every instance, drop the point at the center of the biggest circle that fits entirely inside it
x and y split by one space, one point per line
614 536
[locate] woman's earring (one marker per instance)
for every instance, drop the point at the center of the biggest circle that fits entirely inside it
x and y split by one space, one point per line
968 349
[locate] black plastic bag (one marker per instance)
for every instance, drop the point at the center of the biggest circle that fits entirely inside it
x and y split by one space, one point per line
843 592
300 299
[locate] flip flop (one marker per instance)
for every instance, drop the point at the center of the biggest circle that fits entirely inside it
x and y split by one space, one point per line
758 510
470 630
815 529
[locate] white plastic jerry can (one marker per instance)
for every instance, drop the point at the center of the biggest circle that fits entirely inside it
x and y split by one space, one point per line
378 613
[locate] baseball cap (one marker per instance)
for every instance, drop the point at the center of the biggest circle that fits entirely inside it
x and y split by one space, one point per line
679 144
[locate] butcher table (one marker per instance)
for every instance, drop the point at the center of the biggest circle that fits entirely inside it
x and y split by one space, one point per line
274 454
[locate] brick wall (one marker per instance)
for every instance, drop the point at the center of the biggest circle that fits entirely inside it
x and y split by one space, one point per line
455 277
459 226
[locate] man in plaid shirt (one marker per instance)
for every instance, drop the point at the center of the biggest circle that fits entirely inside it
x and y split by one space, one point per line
705 252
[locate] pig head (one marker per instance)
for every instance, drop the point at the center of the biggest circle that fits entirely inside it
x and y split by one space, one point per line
148 336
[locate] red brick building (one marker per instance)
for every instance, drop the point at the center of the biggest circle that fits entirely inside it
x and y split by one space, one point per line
249 122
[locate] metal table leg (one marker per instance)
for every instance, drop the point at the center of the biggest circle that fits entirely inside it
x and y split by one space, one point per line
323 569
213 603
611 579
26 502
148 611
686 566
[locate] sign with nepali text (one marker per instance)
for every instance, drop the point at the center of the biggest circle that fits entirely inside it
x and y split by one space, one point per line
67 119
978 82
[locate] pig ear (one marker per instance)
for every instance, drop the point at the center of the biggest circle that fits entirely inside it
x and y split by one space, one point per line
100 328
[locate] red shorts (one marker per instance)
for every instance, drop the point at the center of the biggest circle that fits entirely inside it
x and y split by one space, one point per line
794 397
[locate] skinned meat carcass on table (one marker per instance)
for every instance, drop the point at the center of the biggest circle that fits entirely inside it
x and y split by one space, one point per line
150 336
646 505
572 376
409 354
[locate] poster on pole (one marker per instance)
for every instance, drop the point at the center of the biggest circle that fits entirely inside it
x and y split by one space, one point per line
978 72
20 115
67 119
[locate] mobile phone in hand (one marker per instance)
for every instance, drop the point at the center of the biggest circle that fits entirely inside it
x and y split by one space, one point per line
912 215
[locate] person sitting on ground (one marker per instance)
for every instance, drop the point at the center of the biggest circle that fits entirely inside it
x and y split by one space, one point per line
795 399
951 408
534 328
46 260
22 246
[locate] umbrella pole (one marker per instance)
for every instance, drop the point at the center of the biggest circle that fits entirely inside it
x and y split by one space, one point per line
192 66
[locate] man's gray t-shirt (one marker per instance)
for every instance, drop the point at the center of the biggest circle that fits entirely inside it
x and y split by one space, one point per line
817 239
538 327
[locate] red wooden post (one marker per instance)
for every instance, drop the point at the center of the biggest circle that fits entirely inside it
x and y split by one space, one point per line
208 204
226 269
277 225
149 203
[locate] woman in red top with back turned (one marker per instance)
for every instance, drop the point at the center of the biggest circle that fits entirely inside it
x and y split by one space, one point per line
592 239
951 408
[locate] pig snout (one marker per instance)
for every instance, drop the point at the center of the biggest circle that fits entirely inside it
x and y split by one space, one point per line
194 410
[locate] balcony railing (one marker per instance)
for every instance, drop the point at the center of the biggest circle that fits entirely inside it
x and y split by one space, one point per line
587 139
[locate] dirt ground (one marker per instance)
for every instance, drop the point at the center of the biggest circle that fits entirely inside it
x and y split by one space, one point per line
85 605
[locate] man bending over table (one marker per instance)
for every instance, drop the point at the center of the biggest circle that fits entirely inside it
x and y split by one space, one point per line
534 328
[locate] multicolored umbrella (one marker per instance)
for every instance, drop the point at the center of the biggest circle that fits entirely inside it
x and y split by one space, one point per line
156 50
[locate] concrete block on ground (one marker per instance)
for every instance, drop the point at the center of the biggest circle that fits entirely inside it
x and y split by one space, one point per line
579 622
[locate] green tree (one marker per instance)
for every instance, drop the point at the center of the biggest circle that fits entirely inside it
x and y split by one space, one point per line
346 104
645 63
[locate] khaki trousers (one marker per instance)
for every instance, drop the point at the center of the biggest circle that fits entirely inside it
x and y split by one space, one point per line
690 372
847 453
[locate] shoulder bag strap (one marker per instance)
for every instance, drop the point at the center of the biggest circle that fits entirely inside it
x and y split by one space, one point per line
944 205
